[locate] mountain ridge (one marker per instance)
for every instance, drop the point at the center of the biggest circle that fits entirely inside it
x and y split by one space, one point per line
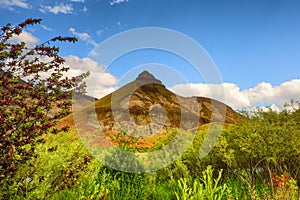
146 105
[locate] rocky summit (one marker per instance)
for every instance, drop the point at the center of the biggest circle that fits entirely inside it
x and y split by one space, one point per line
145 76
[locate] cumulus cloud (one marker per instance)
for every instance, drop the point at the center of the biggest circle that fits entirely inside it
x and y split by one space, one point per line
273 107
117 2
13 3
277 95
26 37
84 36
61 8
99 83
261 95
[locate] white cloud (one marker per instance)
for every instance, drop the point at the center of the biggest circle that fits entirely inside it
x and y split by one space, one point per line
61 8
117 2
26 37
99 83
80 1
84 36
279 95
11 3
101 31
84 9
260 95
273 107
46 28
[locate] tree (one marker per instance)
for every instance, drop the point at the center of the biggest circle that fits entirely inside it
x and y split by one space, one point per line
32 84
265 144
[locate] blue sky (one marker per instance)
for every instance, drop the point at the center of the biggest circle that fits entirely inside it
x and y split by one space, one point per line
255 44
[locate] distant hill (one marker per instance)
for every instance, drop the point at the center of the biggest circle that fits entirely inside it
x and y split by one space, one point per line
145 105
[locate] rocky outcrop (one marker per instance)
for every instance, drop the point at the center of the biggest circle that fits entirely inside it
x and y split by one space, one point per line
144 108
146 77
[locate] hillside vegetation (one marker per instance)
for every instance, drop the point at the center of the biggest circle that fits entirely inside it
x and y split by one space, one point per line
257 158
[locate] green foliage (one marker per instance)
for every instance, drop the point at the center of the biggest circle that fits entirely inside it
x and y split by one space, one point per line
213 190
31 85
257 158
60 164
186 192
257 147
210 188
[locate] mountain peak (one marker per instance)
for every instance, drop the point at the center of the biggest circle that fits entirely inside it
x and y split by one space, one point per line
145 76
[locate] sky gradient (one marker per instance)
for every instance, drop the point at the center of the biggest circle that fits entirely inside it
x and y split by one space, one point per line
255 44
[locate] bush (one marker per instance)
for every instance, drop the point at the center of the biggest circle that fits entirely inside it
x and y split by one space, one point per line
31 85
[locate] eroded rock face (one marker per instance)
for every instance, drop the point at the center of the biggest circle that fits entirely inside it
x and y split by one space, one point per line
145 107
